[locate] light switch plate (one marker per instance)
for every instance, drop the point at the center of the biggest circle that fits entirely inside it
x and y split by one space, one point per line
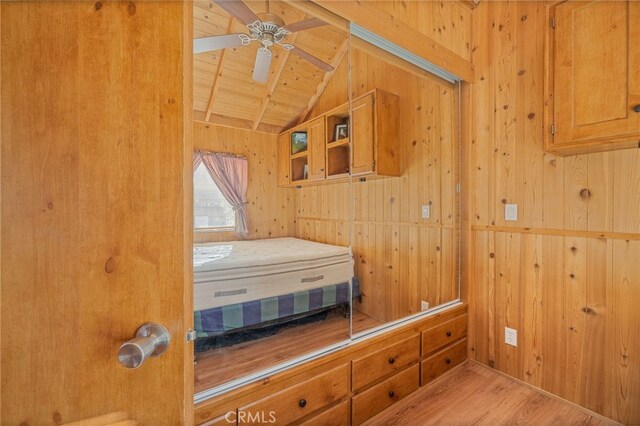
426 211
511 336
511 212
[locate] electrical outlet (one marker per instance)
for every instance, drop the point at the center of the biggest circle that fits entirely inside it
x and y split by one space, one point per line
424 305
511 212
511 336
426 211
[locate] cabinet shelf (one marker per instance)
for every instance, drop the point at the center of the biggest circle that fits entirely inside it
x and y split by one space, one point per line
368 145
339 142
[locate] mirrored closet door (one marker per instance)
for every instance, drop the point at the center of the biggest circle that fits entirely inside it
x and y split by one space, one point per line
404 121
272 258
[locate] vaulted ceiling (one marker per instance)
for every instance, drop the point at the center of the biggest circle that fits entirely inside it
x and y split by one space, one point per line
224 90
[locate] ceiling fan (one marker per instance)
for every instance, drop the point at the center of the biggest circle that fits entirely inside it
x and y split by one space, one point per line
266 28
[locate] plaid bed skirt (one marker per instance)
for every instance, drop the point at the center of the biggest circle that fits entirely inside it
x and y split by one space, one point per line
217 321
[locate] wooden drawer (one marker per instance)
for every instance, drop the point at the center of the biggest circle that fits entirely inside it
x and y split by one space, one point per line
298 401
335 416
440 336
443 361
386 361
226 420
384 394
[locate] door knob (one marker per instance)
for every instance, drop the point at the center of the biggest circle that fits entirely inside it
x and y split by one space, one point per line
151 340
636 108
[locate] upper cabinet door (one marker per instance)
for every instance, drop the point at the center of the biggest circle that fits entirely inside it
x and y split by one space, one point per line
594 76
362 142
284 149
315 136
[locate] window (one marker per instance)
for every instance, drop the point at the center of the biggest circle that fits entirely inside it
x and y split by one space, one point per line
210 208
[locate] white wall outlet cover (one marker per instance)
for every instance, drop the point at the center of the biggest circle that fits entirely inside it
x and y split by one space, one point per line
511 212
426 211
424 305
511 336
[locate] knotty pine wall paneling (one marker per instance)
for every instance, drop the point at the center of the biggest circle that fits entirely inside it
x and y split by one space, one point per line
271 210
566 274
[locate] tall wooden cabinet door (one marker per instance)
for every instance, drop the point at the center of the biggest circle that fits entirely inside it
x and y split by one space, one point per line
362 137
596 72
284 150
97 210
316 144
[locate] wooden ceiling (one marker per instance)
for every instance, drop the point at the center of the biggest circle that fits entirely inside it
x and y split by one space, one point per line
224 91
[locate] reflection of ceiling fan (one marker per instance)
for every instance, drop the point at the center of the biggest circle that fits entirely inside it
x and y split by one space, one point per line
268 29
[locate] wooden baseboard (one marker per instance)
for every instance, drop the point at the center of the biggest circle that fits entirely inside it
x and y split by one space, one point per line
544 392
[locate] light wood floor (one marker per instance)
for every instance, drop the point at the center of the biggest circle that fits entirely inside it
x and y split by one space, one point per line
477 395
218 366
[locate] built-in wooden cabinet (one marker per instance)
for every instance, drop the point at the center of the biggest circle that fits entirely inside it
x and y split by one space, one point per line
372 148
443 347
283 159
593 77
353 384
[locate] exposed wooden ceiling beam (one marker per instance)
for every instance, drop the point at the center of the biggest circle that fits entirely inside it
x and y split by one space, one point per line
238 123
275 77
340 52
219 70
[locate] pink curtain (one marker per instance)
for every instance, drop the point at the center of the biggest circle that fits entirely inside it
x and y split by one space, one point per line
231 176
197 159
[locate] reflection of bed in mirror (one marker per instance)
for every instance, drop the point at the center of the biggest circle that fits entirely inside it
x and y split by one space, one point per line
242 285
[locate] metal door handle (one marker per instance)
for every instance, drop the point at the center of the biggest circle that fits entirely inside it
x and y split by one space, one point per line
151 340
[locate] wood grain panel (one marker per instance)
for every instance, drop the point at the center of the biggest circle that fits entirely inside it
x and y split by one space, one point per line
270 209
96 150
558 281
566 295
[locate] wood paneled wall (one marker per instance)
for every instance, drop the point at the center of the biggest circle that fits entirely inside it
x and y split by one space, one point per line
401 258
446 22
566 274
271 210
96 231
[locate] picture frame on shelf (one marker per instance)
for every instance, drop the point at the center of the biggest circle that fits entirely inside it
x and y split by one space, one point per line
298 142
341 132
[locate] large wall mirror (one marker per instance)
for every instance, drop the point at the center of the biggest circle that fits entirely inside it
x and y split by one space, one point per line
325 204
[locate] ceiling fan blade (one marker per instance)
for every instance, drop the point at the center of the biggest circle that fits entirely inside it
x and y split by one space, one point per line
207 44
304 25
309 57
238 10
263 63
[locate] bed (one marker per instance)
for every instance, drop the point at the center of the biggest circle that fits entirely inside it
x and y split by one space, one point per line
243 284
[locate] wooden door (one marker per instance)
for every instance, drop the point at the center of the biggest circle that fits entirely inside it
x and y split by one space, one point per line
362 138
284 151
316 143
96 209
596 72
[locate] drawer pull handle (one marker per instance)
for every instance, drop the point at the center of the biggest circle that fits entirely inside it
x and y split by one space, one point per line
447 360
448 334
302 403
392 394
392 360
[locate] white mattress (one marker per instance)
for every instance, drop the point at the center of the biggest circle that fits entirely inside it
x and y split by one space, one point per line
241 271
